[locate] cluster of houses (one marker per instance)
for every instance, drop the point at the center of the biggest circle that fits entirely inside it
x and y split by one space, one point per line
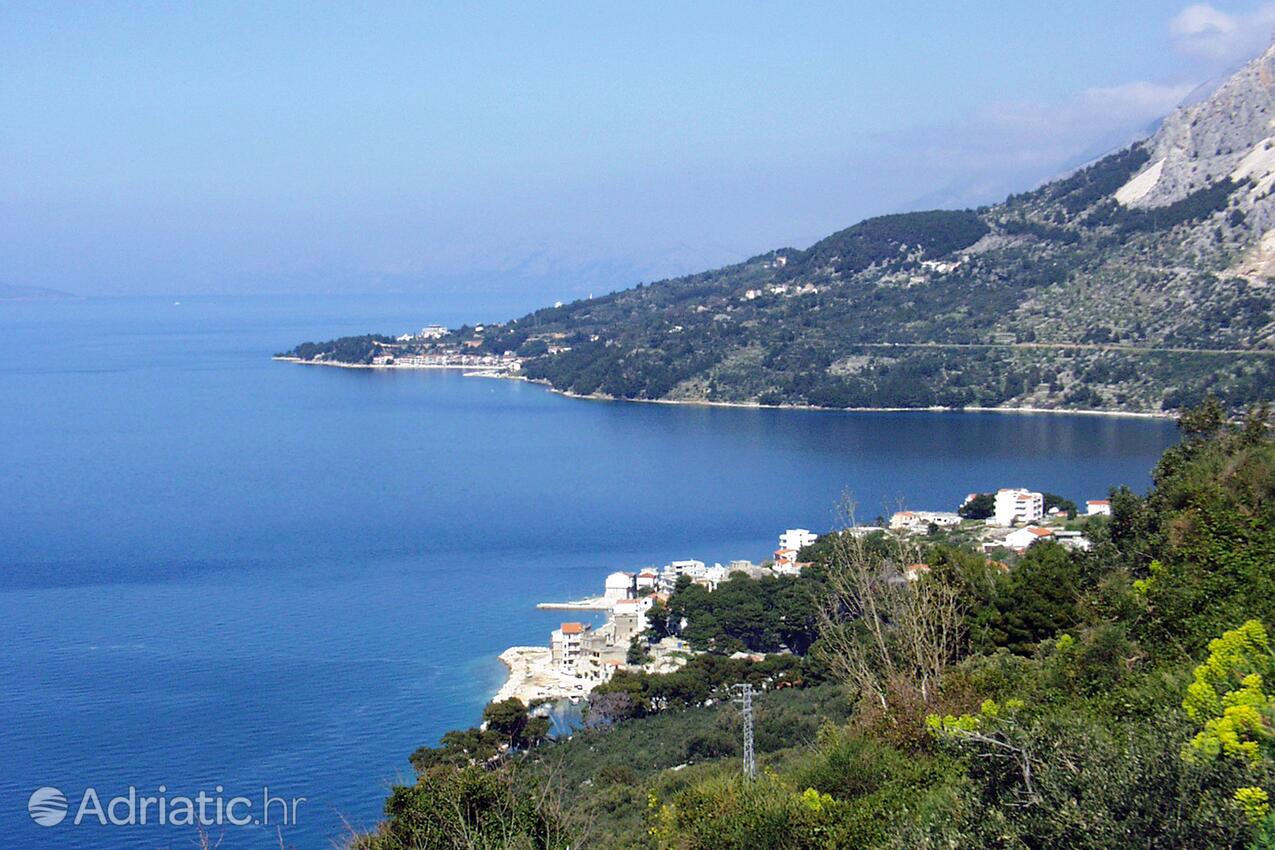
507 362
781 289
1018 521
426 350
594 654
1024 512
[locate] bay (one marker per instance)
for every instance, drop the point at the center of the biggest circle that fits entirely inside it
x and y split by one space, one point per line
216 569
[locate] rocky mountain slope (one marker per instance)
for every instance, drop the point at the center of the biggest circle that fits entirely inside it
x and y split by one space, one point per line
1139 283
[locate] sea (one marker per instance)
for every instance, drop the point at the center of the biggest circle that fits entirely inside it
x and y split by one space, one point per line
228 574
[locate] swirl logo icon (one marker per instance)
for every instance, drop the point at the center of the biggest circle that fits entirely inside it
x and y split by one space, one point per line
47 806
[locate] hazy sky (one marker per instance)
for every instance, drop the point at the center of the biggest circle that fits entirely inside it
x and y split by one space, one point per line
220 147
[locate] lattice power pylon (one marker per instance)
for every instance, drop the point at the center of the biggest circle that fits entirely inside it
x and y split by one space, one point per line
743 697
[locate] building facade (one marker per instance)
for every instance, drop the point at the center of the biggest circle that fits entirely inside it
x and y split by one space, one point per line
1017 506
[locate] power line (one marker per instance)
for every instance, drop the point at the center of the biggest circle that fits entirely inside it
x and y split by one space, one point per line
743 697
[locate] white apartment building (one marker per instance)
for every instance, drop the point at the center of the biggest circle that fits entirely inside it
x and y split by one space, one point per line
1098 507
1015 506
565 644
796 539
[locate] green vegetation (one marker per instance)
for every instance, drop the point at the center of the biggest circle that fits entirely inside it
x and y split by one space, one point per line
349 349
466 807
982 506
1082 700
878 240
1064 505
507 727
757 615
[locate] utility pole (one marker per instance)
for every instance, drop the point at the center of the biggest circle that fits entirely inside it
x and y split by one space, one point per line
743 697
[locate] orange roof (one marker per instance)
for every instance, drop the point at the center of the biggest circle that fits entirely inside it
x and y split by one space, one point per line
1041 532
1098 502
572 628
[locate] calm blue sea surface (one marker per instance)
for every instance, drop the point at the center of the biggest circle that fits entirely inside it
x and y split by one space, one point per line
216 569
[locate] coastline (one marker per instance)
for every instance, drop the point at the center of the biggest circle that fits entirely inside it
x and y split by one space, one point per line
336 364
755 405
752 405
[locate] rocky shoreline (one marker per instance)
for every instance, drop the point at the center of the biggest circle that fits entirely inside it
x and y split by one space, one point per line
532 677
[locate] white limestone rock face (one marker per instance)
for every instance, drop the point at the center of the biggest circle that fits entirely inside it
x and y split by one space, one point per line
1225 135
1138 187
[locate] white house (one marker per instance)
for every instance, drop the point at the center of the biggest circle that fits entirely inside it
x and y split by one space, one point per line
1098 507
647 579
710 577
433 332
785 556
920 521
672 572
1015 506
797 539
1073 540
619 586
1021 539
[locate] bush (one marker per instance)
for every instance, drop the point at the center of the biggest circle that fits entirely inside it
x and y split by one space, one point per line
465 808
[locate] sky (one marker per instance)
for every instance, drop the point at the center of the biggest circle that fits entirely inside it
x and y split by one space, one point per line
551 148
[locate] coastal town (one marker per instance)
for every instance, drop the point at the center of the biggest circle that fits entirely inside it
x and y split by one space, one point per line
432 347
579 655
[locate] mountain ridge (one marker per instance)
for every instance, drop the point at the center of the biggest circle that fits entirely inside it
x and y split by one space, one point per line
13 292
1137 283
